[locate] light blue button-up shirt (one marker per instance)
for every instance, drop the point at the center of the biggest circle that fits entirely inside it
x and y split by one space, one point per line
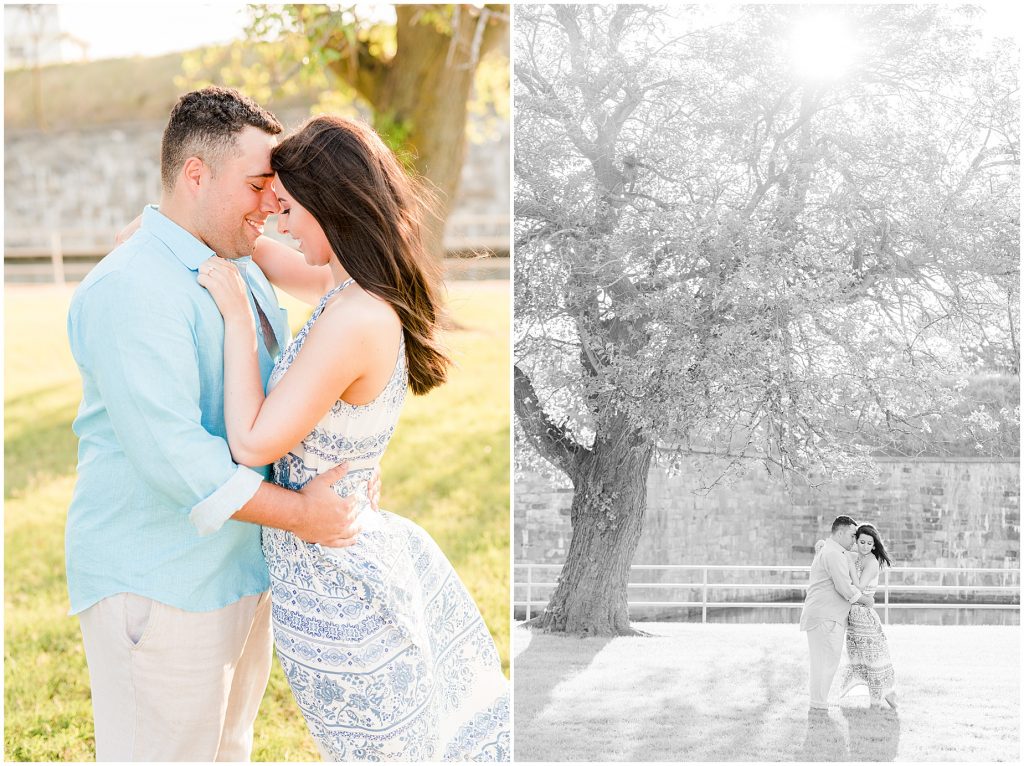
156 483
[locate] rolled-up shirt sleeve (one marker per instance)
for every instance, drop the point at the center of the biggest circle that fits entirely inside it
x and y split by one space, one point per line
209 515
145 363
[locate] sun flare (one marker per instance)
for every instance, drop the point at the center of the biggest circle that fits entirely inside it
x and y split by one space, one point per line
823 47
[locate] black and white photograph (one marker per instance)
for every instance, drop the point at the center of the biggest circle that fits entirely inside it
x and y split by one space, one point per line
766 496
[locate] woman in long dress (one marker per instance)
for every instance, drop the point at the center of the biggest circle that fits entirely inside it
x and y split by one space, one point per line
385 651
869 663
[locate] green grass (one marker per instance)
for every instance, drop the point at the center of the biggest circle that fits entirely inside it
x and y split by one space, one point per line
739 693
447 469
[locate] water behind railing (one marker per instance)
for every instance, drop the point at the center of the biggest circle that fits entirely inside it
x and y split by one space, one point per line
769 614
766 594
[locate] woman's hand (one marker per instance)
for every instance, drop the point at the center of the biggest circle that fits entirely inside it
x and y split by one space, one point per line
127 231
221 278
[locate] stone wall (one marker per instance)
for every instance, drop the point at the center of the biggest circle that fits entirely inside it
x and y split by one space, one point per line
930 513
963 514
90 183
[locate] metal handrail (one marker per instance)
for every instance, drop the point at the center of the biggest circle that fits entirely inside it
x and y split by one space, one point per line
791 604
705 586
776 568
801 586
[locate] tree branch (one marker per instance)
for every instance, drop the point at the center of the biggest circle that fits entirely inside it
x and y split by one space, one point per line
551 441
357 66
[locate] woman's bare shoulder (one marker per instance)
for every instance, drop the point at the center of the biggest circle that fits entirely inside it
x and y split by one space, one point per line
356 310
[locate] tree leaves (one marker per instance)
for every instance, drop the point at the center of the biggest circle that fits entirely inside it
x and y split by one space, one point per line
754 267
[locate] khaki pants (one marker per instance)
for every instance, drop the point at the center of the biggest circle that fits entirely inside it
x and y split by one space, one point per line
171 685
826 645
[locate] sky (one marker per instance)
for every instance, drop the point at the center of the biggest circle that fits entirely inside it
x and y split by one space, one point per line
159 27
155 28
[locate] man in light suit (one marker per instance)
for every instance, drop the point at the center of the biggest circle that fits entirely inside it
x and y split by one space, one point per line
830 594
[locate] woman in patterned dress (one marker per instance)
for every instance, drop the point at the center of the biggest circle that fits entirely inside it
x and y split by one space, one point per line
869 663
384 649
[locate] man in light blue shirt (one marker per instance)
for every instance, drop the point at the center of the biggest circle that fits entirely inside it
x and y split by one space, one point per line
164 563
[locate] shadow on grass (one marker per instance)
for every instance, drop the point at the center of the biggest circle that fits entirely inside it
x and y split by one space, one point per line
688 723
874 733
694 714
535 684
38 440
824 740
870 734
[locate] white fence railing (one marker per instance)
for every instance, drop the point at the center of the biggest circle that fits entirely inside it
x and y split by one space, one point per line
26 256
59 254
537 591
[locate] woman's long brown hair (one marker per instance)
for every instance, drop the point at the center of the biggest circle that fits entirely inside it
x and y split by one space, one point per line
371 212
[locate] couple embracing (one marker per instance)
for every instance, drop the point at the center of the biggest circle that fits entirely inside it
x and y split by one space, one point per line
840 604
210 518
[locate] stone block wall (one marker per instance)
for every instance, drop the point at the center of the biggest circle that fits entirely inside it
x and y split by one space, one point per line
930 513
89 183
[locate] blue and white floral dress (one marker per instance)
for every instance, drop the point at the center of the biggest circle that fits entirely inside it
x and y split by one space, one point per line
385 651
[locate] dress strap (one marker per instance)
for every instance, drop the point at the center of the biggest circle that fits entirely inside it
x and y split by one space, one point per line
331 293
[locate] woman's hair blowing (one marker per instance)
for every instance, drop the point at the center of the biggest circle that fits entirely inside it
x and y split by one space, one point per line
879 551
371 212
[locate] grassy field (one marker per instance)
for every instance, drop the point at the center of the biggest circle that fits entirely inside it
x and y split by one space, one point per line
447 469
739 693
76 95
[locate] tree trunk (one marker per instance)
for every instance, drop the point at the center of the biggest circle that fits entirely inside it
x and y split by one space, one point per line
420 96
608 507
425 94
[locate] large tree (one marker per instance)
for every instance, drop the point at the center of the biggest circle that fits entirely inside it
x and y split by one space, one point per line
416 71
722 252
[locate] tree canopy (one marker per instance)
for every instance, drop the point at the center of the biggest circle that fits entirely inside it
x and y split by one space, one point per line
420 69
739 259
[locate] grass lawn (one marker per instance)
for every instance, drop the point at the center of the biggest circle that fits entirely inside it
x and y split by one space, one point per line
447 469
739 693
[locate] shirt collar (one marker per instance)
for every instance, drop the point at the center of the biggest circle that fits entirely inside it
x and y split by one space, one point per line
834 543
186 247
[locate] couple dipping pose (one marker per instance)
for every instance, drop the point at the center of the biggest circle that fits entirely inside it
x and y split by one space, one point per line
180 552
840 601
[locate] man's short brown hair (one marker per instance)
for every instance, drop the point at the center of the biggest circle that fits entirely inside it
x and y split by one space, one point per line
204 124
